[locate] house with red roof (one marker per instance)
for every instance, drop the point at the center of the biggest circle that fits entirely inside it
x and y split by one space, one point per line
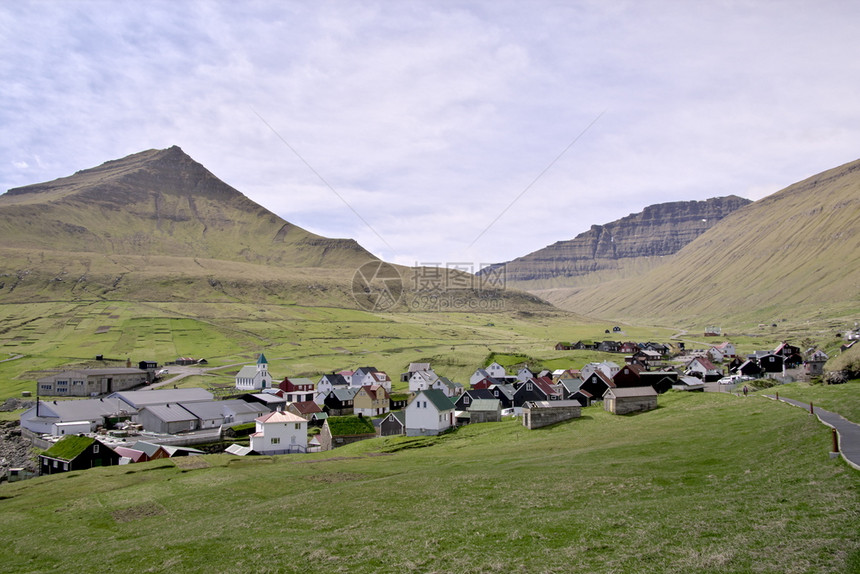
297 389
371 401
596 384
704 369
536 389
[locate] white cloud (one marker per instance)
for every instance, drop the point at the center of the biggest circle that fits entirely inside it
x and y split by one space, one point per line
430 118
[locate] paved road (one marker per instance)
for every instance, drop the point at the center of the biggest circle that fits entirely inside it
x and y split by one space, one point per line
849 433
178 372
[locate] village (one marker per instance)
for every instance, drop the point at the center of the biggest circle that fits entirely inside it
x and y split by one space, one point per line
127 419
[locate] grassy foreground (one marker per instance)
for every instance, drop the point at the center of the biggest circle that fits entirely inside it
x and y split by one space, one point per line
706 483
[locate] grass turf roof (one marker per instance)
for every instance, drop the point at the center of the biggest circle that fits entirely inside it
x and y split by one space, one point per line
340 426
69 447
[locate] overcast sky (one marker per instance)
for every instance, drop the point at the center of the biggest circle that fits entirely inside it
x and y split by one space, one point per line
439 132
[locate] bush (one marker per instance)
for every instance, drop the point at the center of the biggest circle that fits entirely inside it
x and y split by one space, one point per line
843 367
761 384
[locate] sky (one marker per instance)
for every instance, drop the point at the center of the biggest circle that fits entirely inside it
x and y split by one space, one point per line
439 133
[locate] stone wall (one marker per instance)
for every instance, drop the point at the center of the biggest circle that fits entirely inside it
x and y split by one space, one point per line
538 417
625 405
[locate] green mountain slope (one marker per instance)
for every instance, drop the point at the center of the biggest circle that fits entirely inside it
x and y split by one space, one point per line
158 226
793 254
160 202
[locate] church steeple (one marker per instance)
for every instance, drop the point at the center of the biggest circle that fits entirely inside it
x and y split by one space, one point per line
263 370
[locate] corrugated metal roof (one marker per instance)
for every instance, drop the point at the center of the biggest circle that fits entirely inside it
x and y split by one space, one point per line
629 392
86 409
172 414
485 405
140 399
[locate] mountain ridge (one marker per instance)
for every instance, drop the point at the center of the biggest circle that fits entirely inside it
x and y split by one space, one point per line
621 246
793 253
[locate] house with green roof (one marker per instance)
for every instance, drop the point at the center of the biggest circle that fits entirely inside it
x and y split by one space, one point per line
429 413
76 453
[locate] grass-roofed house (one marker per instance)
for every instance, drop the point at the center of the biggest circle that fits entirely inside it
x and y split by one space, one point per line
76 453
340 431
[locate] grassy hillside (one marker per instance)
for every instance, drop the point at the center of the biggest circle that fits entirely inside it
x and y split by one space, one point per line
706 483
793 254
298 340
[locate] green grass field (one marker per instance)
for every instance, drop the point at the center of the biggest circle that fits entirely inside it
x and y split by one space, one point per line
706 483
308 341
842 399
297 340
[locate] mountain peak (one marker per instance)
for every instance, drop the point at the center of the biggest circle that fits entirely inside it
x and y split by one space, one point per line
159 202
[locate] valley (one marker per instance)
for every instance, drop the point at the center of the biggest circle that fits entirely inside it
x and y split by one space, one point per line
151 258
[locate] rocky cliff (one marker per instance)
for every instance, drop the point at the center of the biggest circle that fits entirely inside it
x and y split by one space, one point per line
656 231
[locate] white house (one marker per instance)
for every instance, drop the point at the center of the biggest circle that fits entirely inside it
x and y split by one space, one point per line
447 386
422 380
327 384
280 432
366 376
704 368
429 413
254 377
496 371
525 374
608 368
721 352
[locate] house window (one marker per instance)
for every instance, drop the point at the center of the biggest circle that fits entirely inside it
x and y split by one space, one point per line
466 400
95 448
298 426
528 386
275 440
55 464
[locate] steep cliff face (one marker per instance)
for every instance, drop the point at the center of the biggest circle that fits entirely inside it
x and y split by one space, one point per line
656 231
795 253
